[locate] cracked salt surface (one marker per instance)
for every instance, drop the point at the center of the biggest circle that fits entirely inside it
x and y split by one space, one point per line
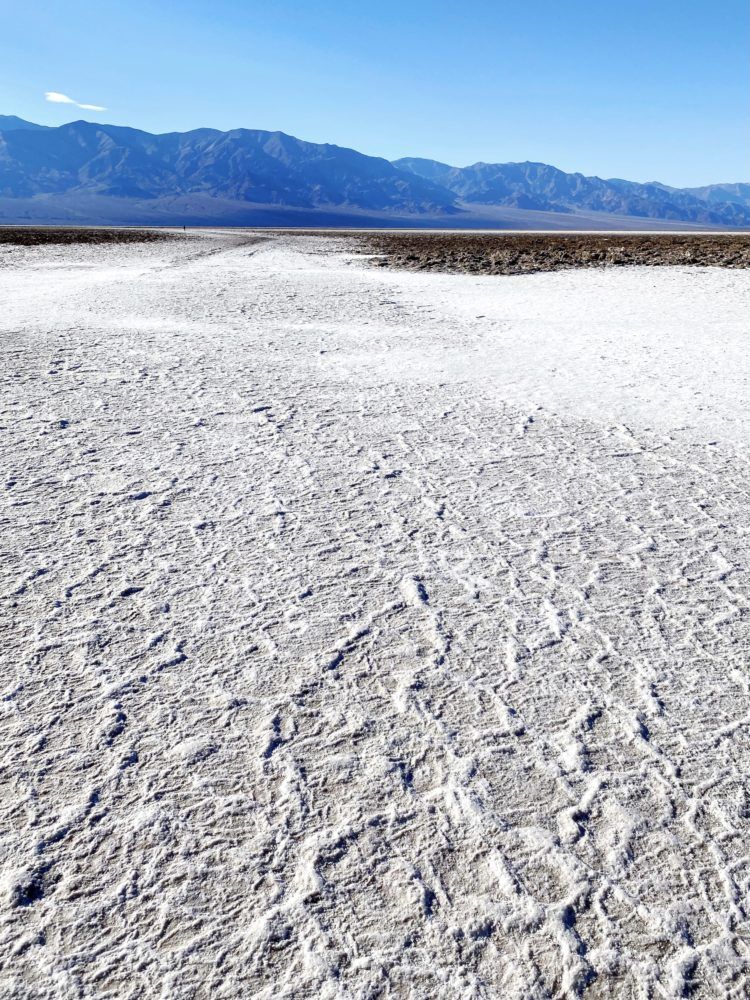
371 634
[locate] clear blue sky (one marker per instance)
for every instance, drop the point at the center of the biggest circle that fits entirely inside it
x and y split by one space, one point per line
642 89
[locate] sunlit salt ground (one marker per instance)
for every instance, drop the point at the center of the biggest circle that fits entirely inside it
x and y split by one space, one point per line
371 634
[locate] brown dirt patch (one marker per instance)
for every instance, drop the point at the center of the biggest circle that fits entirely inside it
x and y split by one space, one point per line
32 236
517 253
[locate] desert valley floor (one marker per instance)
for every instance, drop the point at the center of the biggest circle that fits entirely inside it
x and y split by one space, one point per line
370 633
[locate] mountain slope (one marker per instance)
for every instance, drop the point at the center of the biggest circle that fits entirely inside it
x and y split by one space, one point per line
540 187
242 165
738 194
11 123
110 173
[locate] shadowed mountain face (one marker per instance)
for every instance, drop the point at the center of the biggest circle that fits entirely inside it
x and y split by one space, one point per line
93 172
539 187
11 123
242 165
738 194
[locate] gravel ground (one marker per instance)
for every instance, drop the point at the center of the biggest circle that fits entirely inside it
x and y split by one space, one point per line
516 253
370 633
48 236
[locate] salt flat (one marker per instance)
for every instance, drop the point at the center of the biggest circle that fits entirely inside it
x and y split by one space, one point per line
371 634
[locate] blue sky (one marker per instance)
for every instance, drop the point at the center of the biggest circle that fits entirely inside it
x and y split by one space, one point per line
642 89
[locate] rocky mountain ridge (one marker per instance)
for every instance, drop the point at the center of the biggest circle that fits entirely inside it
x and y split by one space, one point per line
113 173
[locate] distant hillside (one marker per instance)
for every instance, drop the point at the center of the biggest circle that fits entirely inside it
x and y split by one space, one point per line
10 123
540 187
88 172
242 165
738 194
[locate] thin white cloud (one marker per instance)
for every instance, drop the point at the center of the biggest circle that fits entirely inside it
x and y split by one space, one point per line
54 98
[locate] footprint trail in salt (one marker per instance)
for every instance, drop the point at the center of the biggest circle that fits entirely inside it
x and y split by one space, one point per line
371 634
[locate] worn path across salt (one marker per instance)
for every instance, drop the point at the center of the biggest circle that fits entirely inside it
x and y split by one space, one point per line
370 634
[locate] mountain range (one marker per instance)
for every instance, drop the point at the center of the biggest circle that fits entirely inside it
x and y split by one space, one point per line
88 173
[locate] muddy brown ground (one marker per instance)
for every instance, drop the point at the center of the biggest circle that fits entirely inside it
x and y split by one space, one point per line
515 253
33 236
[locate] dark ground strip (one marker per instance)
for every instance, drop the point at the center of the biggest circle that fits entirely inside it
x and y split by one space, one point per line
32 236
514 253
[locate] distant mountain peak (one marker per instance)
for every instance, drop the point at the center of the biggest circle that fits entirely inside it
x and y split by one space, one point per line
243 165
114 167
12 123
542 187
